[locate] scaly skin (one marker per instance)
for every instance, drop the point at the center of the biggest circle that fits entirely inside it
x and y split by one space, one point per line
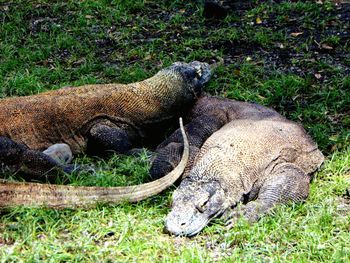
255 156
67 115
97 118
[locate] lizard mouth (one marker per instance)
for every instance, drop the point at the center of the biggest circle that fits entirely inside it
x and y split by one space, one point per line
194 207
184 228
190 227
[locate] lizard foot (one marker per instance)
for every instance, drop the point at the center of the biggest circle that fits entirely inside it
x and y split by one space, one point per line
251 212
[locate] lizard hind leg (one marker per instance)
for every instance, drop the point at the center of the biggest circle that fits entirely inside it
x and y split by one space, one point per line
104 139
168 157
10 153
287 183
168 153
34 164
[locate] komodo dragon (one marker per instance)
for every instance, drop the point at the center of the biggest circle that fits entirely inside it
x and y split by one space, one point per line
98 117
253 156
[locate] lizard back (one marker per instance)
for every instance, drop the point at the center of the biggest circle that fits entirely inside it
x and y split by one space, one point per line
248 150
64 115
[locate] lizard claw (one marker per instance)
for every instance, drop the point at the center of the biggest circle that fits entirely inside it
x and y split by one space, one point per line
231 217
249 212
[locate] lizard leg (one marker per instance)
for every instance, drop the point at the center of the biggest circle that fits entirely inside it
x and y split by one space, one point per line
103 139
10 151
35 164
168 153
287 183
168 157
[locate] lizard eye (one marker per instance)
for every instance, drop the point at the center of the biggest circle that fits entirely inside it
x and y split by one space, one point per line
202 207
201 204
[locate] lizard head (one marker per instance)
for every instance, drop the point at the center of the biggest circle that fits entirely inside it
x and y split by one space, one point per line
194 74
194 204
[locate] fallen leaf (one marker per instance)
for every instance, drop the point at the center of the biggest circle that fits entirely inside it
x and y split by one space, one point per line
258 20
334 138
295 34
280 45
334 147
41 236
249 58
325 46
333 23
295 97
79 61
318 76
89 16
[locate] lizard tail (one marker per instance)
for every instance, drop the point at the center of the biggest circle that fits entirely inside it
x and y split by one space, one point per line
61 196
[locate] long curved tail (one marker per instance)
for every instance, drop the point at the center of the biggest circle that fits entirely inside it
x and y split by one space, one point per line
61 196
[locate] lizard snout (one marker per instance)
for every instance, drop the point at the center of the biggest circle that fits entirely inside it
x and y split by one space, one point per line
195 74
194 205
203 72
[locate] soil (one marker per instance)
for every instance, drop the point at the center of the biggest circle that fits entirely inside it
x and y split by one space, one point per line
286 57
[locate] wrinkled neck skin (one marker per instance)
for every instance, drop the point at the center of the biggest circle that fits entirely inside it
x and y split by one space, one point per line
170 88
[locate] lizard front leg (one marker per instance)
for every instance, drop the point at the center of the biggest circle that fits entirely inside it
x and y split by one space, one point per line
287 183
104 139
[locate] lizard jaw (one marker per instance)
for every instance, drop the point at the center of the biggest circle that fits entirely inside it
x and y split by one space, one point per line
185 225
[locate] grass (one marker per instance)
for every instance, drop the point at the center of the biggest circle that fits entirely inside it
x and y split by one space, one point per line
294 58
